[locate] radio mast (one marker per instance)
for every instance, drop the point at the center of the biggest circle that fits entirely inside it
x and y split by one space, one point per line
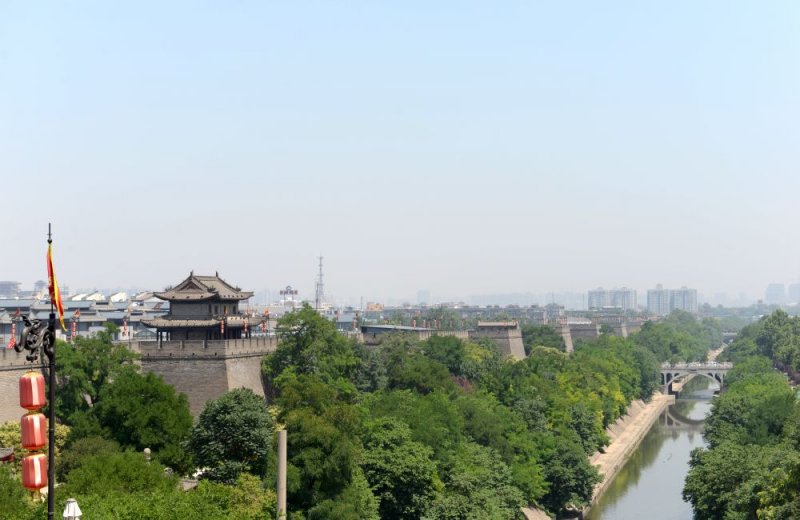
320 287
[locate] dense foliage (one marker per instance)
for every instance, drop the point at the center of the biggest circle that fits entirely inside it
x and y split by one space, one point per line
445 428
680 337
541 336
232 436
409 429
751 468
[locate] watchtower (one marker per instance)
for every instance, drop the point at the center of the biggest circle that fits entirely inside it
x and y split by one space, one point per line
201 308
506 334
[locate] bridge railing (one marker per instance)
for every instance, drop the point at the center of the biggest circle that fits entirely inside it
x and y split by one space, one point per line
709 365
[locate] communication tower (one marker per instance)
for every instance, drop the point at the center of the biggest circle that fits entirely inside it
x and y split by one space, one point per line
320 288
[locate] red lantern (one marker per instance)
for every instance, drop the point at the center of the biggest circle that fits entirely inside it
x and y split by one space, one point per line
34 431
34 471
31 391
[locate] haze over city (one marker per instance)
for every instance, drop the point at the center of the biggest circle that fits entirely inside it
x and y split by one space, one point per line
458 148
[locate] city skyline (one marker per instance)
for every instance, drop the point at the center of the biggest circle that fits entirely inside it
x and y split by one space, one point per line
594 298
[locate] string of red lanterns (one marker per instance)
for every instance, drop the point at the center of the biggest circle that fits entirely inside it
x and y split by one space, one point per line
32 397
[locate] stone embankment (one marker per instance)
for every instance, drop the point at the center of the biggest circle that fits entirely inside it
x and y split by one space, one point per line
626 434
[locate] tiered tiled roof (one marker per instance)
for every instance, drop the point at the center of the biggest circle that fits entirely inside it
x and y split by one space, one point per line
199 288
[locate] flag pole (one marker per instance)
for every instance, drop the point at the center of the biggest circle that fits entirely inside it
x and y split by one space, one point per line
51 399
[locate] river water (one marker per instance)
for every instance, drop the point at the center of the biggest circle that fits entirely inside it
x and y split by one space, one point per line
649 486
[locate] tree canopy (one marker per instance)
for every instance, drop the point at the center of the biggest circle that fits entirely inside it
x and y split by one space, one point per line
233 435
751 468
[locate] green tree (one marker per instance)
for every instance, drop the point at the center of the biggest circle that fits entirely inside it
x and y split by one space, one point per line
11 437
478 486
141 411
400 471
325 449
310 344
541 336
247 499
84 368
80 450
753 410
447 350
125 472
17 504
233 435
567 470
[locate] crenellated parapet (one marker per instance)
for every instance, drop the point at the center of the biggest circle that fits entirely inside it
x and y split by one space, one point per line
204 349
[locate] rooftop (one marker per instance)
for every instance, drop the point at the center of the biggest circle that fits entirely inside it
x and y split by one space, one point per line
199 288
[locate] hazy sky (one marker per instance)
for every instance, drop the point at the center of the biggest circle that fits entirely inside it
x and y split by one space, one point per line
460 147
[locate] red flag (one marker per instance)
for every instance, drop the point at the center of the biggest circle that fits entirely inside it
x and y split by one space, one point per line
13 341
55 294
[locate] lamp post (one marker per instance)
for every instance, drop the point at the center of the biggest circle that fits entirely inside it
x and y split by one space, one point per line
72 510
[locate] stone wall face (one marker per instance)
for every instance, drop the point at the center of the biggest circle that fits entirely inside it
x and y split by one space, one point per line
200 379
245 372
585 331
508 339
12 365
204 370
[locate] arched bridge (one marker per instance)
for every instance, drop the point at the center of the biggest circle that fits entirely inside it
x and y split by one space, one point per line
710 369
672 419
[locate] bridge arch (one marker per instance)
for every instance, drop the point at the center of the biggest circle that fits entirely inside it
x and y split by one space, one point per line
674 419
711 370
670 377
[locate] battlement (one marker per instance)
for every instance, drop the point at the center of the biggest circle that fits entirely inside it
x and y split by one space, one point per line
506 334
12 360
204 349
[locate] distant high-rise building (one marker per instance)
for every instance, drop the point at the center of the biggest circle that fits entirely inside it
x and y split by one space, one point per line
775 294
9 289
794 293
599 298
423 296
683 299
623 298
658 300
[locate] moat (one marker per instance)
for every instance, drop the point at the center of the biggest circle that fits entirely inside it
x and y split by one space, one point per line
650 483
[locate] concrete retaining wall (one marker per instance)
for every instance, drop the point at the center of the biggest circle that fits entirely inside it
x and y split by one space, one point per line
626 434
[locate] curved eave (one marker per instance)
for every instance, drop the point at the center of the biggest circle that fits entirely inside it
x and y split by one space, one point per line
202 297
172 297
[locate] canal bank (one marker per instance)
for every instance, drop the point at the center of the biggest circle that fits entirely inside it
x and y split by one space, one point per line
625 435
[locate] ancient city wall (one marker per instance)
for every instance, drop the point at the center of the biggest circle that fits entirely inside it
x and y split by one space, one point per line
12 365
508 339
204 370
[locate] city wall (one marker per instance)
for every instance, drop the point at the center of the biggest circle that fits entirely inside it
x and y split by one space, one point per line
12 365
508 339
204 370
